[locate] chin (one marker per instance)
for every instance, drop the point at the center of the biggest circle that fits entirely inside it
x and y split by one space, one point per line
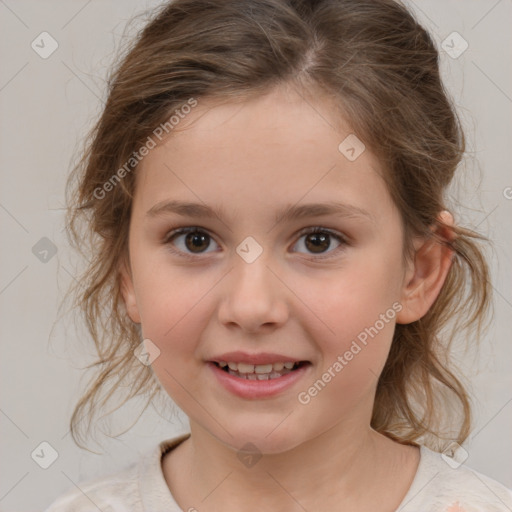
263 435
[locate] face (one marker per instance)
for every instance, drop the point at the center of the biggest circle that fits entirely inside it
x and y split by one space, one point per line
250 285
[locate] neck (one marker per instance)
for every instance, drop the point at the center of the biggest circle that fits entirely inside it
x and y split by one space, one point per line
345 460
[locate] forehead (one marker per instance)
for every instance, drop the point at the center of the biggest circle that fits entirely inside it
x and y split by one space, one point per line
279 148
277 118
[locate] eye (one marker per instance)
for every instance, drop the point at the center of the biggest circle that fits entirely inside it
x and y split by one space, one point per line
318 240
195 240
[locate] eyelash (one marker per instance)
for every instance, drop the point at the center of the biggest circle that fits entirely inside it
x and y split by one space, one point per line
171 235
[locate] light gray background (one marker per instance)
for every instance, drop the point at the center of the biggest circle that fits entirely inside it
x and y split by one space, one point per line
46 107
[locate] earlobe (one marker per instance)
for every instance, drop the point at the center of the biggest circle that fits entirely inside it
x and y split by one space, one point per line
128 293
428 272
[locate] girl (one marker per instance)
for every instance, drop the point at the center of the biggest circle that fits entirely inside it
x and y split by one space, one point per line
264 196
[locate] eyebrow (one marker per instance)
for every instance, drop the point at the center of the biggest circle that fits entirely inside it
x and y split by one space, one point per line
288 213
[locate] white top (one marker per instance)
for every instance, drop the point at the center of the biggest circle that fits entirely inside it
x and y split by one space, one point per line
141 487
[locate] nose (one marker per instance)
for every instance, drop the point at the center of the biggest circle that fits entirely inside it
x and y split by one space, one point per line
253 297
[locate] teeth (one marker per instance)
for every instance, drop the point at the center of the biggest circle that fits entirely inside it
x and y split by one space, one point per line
257 371
256 368
261 368
246 368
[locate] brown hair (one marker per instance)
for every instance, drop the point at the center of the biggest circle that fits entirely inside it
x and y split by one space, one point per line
381 67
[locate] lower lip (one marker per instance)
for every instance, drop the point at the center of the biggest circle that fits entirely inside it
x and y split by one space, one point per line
254 389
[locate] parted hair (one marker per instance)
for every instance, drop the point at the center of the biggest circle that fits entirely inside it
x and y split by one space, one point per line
381 67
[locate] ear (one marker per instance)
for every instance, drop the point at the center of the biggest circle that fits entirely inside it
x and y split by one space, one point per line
128 292
426 275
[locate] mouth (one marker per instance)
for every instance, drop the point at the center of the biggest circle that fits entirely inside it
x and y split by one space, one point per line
259 372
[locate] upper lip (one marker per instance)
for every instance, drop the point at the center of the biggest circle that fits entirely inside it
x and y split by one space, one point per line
261 358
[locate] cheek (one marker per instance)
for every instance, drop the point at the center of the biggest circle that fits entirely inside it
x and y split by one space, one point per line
361 336
174 307
358 309
166 293
173 318
171 306
165 299
353 355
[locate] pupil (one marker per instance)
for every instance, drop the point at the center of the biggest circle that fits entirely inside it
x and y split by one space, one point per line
315 241
197 240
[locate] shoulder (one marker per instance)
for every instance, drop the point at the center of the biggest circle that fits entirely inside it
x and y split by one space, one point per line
117 492
137 488
444 485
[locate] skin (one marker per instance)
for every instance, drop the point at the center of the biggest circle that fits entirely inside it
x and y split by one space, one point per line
251 159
